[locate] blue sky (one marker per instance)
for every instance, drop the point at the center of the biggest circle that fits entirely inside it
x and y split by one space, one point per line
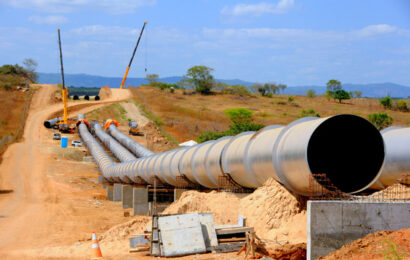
288 41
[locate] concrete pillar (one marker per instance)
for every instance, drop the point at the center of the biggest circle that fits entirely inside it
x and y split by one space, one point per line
178 193
140 201
110 192
117 192
127 196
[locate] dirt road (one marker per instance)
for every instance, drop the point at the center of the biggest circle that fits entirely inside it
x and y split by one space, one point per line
31 210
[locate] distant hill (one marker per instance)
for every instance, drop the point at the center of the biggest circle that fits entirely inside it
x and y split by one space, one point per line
375 90
84 80
90 81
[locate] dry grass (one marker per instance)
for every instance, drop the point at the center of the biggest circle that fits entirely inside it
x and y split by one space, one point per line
186 116
11 105
114 111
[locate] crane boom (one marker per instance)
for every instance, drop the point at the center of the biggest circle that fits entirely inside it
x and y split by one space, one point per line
64 91
132 57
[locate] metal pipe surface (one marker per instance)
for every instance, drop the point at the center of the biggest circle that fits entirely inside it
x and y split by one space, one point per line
347 149
50 123
397 161
136 148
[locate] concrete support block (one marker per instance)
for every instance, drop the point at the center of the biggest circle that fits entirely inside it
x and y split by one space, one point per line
140 201
117 192
178 193
110 192
127 194
101 179
333 224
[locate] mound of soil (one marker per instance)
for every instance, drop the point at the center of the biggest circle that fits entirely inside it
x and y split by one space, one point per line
289 252
379 245
274 212
105 93
223 205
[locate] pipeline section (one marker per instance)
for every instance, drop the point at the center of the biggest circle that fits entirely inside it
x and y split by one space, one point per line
397 161
136 148
346 149
50 123
120 152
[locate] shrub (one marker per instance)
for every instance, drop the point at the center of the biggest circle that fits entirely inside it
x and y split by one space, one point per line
308 112
269 95
311 93
234 89
240 122
291 99
386 102
380 120
402 106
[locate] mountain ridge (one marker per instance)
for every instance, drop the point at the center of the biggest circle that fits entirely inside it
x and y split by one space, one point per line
375 90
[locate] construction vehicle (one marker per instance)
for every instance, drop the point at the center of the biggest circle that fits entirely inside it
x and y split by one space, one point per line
132 57
133 128
61 122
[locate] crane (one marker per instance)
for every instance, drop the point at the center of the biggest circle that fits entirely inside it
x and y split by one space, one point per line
132 57
63 124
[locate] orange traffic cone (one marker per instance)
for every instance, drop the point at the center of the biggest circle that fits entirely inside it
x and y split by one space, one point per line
95 248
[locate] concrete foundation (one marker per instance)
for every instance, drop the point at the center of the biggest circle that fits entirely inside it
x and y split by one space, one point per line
110 192
117 192
127 196
332 224
139 201
178 193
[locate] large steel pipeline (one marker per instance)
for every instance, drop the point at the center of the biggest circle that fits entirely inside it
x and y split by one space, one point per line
397 160
133 146
50 123
120 152
347 149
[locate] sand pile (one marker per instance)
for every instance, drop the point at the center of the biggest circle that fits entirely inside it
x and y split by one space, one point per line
274 212
224 206
105 92
377 245
125 230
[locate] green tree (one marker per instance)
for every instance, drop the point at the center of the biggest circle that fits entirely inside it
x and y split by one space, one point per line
386 102
311 93
380 120
30 67
201 79
332 86
341 95
152 78
273 87
263 89
282 87
402 106
357 93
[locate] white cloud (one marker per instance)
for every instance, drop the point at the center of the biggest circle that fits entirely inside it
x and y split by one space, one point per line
376 29
67 6
259 9
50 19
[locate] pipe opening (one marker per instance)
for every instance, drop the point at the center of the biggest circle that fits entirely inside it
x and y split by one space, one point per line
47 124
349 150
